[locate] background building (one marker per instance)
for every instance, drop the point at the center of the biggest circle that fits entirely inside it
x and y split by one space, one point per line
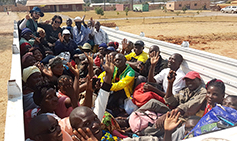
56 5
190 4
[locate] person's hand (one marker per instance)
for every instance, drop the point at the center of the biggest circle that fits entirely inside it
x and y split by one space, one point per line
160 122
47 22
89 58
80 135
68 86
45 71
75 70
146 87
109 66
61 38
171 76
154 58
97 85
124 43
89 83
41 33
27 16
90 61
171 120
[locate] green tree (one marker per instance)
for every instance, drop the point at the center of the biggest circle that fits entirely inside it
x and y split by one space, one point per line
184 8
126 10
99 11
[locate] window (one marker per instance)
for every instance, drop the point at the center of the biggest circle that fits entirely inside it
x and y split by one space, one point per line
180 5
65 6
170 5
195 4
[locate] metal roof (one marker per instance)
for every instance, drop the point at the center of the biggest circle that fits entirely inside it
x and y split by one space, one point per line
52 2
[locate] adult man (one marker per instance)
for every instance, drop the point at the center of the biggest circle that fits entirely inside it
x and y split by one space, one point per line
65 43
31 23
80 32
122 82
100 36
161 64
193 95
138 56
174 63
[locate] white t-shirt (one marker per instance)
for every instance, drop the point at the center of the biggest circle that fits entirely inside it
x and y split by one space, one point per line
178 84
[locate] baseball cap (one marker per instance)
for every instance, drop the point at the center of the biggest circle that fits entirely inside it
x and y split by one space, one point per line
139 42
77 19
66 31
103 45
111 48
192 75
37 9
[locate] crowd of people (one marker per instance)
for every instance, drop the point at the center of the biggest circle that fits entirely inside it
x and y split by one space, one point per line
79 86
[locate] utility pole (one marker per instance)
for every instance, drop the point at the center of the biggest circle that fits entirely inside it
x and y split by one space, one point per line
104 5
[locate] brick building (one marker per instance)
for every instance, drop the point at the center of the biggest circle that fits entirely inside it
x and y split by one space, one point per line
56 5
190 4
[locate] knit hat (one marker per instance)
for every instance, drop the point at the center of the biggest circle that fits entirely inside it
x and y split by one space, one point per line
24 31
27 72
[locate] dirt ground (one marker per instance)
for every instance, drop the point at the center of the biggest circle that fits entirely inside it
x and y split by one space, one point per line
215 37
5 63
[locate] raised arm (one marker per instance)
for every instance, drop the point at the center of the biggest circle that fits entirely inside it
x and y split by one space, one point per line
154 60
104 92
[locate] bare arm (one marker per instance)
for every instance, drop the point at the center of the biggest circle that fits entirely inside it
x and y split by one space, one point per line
154 60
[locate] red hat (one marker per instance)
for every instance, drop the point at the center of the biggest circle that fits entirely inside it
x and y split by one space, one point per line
192 75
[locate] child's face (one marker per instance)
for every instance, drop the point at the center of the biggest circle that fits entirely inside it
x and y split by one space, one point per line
58 69
214 95
230 102
189 125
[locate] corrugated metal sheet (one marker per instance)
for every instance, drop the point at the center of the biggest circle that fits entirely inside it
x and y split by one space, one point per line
52 2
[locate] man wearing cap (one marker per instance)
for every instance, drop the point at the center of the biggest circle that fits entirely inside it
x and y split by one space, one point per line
103 49
100 36
31 23
138 56
80 32
86 47
65 43
190 97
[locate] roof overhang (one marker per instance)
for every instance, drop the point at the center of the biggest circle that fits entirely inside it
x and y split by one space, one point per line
52 2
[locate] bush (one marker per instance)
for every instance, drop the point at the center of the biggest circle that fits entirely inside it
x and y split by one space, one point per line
99 11
117 13
184 8
115 9
177 13
126 10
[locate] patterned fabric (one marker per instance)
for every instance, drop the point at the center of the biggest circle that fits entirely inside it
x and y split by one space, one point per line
109 123
108 137
219 117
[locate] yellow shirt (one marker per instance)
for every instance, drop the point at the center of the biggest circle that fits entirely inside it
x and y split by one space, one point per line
142 57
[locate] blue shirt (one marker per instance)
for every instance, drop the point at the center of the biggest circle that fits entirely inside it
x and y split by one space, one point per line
81 37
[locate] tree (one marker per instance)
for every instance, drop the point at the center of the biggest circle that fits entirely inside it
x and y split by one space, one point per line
99 11
126 10
184 8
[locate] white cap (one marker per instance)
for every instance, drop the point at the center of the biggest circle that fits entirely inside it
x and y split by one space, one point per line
77 19
66 31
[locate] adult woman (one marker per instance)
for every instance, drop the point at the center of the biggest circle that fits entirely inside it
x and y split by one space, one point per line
52 30
37 53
